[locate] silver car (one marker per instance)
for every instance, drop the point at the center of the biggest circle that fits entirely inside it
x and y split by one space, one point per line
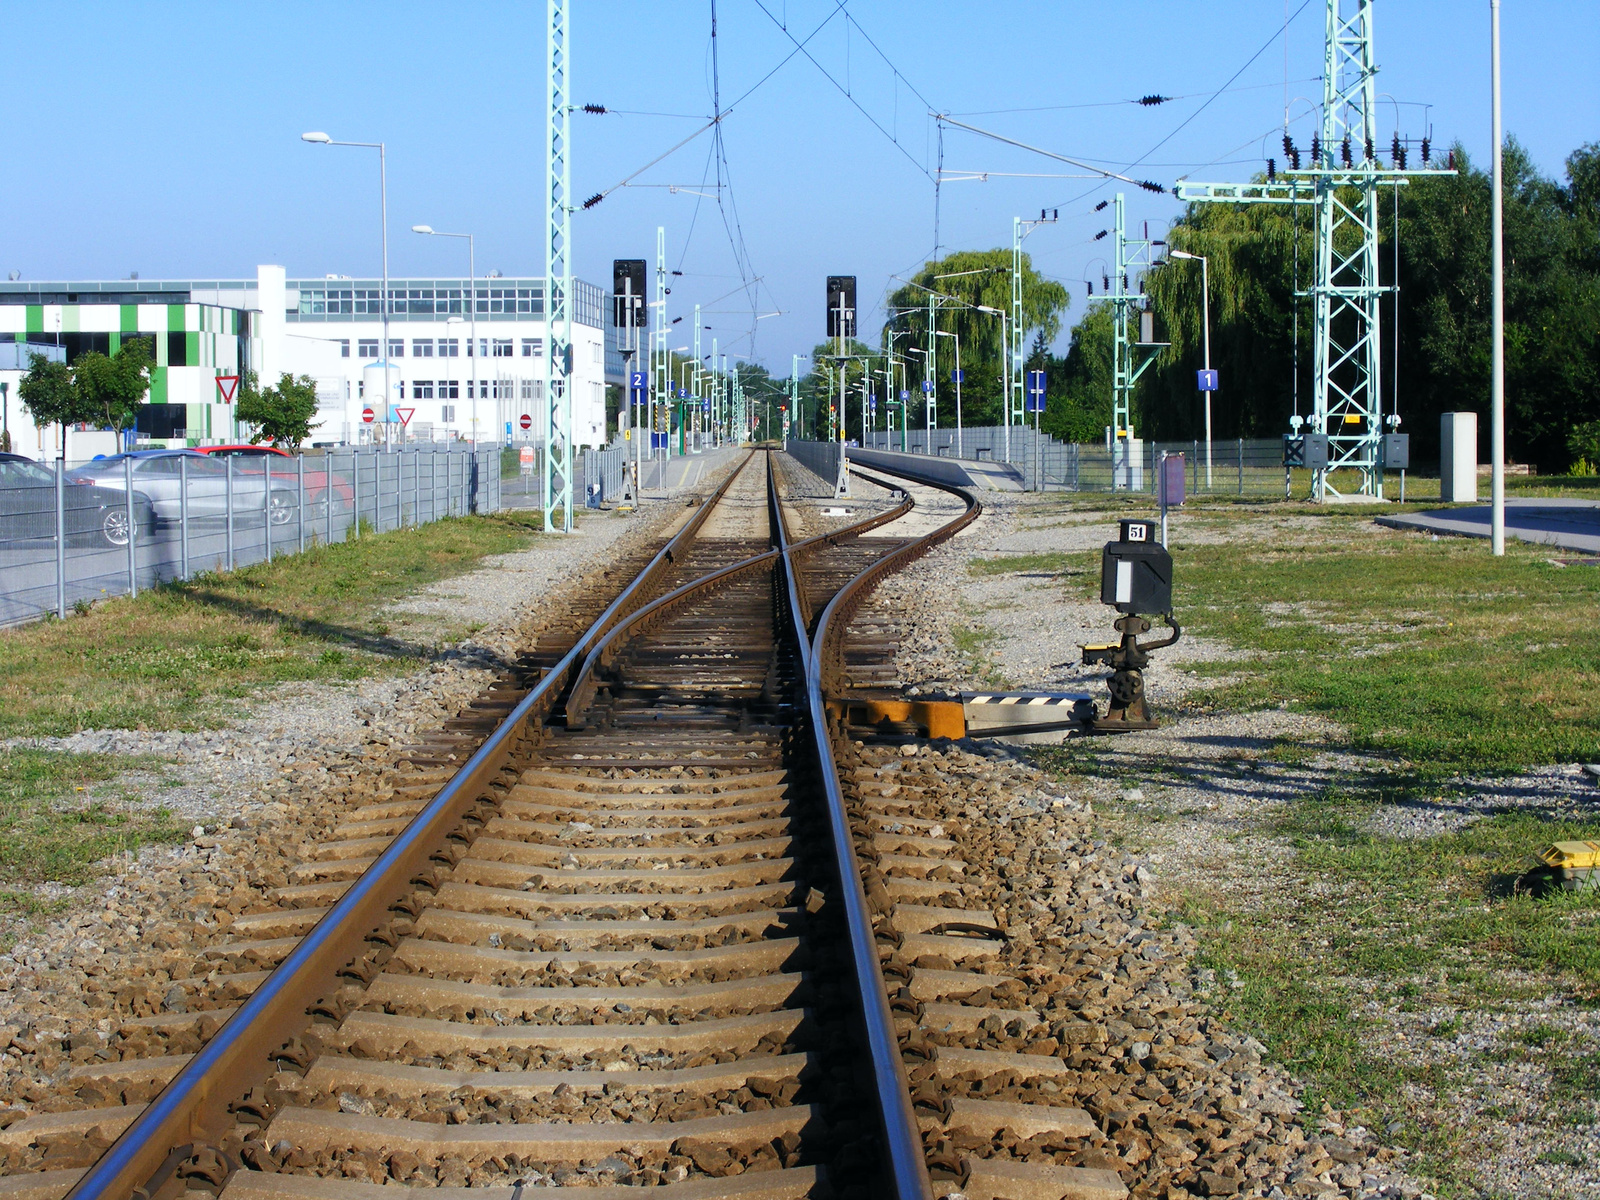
161 476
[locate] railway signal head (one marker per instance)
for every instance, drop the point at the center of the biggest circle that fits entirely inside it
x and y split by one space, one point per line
841 306
627 282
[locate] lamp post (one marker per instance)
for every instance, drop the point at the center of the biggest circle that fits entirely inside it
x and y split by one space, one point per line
322 139
1205 306
957 337
1497 314
472 293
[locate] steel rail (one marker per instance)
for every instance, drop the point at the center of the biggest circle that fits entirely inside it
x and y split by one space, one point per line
908 1167
193 1107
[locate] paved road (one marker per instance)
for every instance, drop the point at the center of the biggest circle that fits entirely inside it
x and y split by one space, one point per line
1567 524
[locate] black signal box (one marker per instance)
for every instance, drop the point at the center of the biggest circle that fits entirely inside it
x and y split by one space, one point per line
627 288
1309 450
841 306
1395 449
1136 570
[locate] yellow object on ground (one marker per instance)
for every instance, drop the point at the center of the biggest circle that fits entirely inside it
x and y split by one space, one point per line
1571 856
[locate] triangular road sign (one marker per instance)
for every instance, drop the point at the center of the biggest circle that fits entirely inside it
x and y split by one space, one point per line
405 415
227 385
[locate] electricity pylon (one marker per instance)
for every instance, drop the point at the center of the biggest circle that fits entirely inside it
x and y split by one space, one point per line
1347 395
660 366
1127 361
1013 410
557 406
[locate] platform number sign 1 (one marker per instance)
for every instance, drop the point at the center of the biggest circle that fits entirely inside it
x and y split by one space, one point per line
1207 379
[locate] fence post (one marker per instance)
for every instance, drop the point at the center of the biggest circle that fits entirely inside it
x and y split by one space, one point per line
416 489
61 530
300 502
127 499
327 496
227 502
266 508
1194 468
183 518
1241 466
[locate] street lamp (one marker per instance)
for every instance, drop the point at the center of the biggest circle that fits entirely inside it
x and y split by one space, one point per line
1205 303
957 337
322 139
472 294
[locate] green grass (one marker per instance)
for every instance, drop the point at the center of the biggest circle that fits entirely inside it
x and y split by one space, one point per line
1431 652
54 825
174 656
1052 563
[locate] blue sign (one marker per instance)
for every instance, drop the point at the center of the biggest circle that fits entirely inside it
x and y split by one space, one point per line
636 381
958 376
927 385
1206 380
904 395
508 432
705 404
683 393
872 404
1034 402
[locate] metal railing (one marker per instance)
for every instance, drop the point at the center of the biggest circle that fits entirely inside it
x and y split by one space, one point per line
74 532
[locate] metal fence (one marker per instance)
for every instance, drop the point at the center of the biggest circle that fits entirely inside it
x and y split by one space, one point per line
72 532
1238 466
603 472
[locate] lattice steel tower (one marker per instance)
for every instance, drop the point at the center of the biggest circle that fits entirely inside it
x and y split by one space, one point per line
1340 185
557 405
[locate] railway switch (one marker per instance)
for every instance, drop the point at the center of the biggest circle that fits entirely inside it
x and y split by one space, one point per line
1135 579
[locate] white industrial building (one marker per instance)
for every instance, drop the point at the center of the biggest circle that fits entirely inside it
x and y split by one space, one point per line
331 329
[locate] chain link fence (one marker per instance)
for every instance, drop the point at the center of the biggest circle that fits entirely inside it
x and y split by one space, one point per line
73 532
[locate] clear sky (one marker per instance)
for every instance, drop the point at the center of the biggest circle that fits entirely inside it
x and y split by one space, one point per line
163 138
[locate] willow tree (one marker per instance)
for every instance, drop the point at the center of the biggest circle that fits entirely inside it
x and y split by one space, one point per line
963 283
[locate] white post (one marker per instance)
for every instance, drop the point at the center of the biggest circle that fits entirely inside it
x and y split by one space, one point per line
1205 306
61 529
183 517
1497 389
133 568
227 463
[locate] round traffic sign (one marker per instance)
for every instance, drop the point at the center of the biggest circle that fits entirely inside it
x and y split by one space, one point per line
368 416
526 422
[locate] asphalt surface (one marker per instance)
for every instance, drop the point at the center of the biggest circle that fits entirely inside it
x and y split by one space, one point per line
1564 524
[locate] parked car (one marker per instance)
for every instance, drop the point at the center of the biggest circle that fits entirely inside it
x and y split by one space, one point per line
159 476
93 514
247 457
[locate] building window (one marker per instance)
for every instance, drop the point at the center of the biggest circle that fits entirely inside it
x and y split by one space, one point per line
177 349
502 347
397 347
421 347
597 352
532 347
450 348
532 389
447 414
367 347
344 347
422 389
449 389
505 389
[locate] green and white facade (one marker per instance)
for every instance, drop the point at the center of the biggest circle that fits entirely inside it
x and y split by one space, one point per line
328 328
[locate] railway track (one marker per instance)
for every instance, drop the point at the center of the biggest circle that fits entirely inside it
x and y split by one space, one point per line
642 918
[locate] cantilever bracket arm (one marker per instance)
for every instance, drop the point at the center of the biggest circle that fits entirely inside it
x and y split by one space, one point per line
1177 632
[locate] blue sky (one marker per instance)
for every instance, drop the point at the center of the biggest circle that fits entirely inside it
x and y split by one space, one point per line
164 138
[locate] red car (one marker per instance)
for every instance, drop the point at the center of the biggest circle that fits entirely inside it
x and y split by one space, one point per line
316 481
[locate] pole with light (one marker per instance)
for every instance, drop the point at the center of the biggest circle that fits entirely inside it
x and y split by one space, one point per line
472 300
1208 381
322 139
956 379
1497 312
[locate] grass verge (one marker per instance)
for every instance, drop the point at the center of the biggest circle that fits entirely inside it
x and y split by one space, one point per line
1409 981
171 657
55 823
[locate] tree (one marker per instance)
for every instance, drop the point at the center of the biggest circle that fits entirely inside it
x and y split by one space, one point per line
972 279
112 390
48 393
282 415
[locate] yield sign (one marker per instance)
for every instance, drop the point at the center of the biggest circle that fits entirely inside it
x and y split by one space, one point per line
227 385
405 415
